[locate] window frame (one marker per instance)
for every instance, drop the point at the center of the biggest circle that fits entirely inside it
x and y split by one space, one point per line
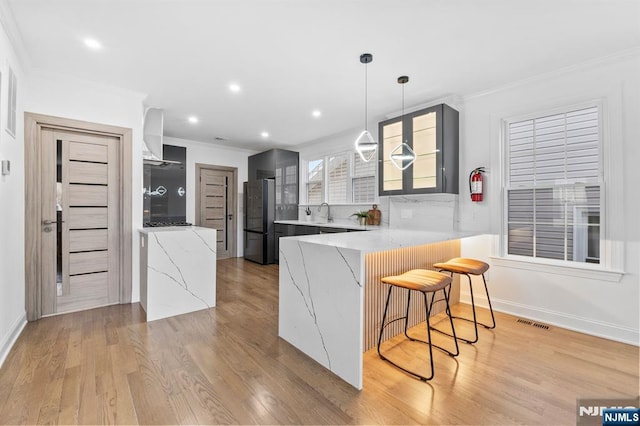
609 269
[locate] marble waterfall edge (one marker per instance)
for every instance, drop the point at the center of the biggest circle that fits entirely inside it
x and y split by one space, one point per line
321 300
181 272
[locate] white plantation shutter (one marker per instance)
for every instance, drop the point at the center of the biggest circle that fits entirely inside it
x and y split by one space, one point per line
343 176
553 190
363 182
338 175
315 180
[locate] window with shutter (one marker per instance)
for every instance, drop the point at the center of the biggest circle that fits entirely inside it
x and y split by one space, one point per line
363 181
315 180
343 176
337 177
554 193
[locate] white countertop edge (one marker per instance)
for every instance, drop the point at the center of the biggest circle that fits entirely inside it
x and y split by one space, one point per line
382 239
154 229
340 225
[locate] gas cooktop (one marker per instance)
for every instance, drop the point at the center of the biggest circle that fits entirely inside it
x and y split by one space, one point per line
159 224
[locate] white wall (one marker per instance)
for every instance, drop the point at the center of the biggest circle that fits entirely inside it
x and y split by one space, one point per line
560 296
204 153
12 307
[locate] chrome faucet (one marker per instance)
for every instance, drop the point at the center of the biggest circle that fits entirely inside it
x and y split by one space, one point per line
329 218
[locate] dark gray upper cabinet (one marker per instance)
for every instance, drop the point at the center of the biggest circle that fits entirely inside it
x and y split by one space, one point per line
281 165
433 134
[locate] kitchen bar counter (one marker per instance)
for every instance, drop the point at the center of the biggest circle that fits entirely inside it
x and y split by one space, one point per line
330 290
177 270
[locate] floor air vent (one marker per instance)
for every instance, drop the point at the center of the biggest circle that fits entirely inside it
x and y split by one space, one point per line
534 324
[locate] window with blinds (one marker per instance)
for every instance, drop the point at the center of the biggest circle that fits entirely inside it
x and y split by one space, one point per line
553 189
363 181
315 180
343 176
337 178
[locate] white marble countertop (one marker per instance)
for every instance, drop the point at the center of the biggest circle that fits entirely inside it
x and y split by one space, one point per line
152 229
381 239
341 225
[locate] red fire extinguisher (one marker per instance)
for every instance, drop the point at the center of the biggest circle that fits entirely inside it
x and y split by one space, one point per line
475 184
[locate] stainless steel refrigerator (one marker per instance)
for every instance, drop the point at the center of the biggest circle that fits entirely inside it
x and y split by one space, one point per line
259 214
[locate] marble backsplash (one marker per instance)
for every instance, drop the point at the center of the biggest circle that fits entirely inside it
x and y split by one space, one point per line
425 212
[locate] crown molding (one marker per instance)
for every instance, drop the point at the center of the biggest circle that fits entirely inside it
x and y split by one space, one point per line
8 23
585 65
453 100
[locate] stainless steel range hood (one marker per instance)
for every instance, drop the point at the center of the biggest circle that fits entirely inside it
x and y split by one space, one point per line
152 130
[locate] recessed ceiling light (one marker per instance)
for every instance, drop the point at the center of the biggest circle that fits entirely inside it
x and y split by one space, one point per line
264 134
92 43
234 87
193 119
316 113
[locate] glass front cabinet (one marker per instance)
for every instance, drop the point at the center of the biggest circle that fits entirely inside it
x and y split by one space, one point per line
432 134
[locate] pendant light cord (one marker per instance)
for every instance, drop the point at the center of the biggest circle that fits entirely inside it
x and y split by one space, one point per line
403 100
365 96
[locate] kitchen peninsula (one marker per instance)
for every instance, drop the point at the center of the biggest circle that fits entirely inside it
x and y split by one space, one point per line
331 298
177 270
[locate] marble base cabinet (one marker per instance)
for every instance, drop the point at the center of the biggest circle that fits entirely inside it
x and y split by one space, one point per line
177 270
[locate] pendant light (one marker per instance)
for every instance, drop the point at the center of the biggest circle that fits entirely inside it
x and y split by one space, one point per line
365 145
402 155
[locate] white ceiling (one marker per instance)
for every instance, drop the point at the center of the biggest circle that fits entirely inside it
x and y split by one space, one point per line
294 56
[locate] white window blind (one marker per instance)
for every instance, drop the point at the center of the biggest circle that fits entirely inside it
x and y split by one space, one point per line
337 177
553 191
315 179
363 182
341 178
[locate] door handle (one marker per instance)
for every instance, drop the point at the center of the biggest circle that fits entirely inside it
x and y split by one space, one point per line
50 222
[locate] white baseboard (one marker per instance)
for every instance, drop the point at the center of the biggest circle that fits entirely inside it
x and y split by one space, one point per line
10 338
559 319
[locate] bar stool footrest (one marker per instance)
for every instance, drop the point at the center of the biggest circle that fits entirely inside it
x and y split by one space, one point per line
413 339
478 322
471 342
421 377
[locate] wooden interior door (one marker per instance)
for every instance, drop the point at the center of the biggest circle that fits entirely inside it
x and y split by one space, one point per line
217 207
80 221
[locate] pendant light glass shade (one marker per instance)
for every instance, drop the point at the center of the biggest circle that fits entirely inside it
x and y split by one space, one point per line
366 146
402 156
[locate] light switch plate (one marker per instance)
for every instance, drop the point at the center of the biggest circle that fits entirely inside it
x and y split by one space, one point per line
6 167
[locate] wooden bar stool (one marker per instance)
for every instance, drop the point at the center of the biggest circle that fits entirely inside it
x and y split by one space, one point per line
423 281
468 267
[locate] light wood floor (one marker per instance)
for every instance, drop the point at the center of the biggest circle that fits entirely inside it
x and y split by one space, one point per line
227 365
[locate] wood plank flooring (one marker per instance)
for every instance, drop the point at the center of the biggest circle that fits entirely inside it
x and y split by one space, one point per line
226 365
